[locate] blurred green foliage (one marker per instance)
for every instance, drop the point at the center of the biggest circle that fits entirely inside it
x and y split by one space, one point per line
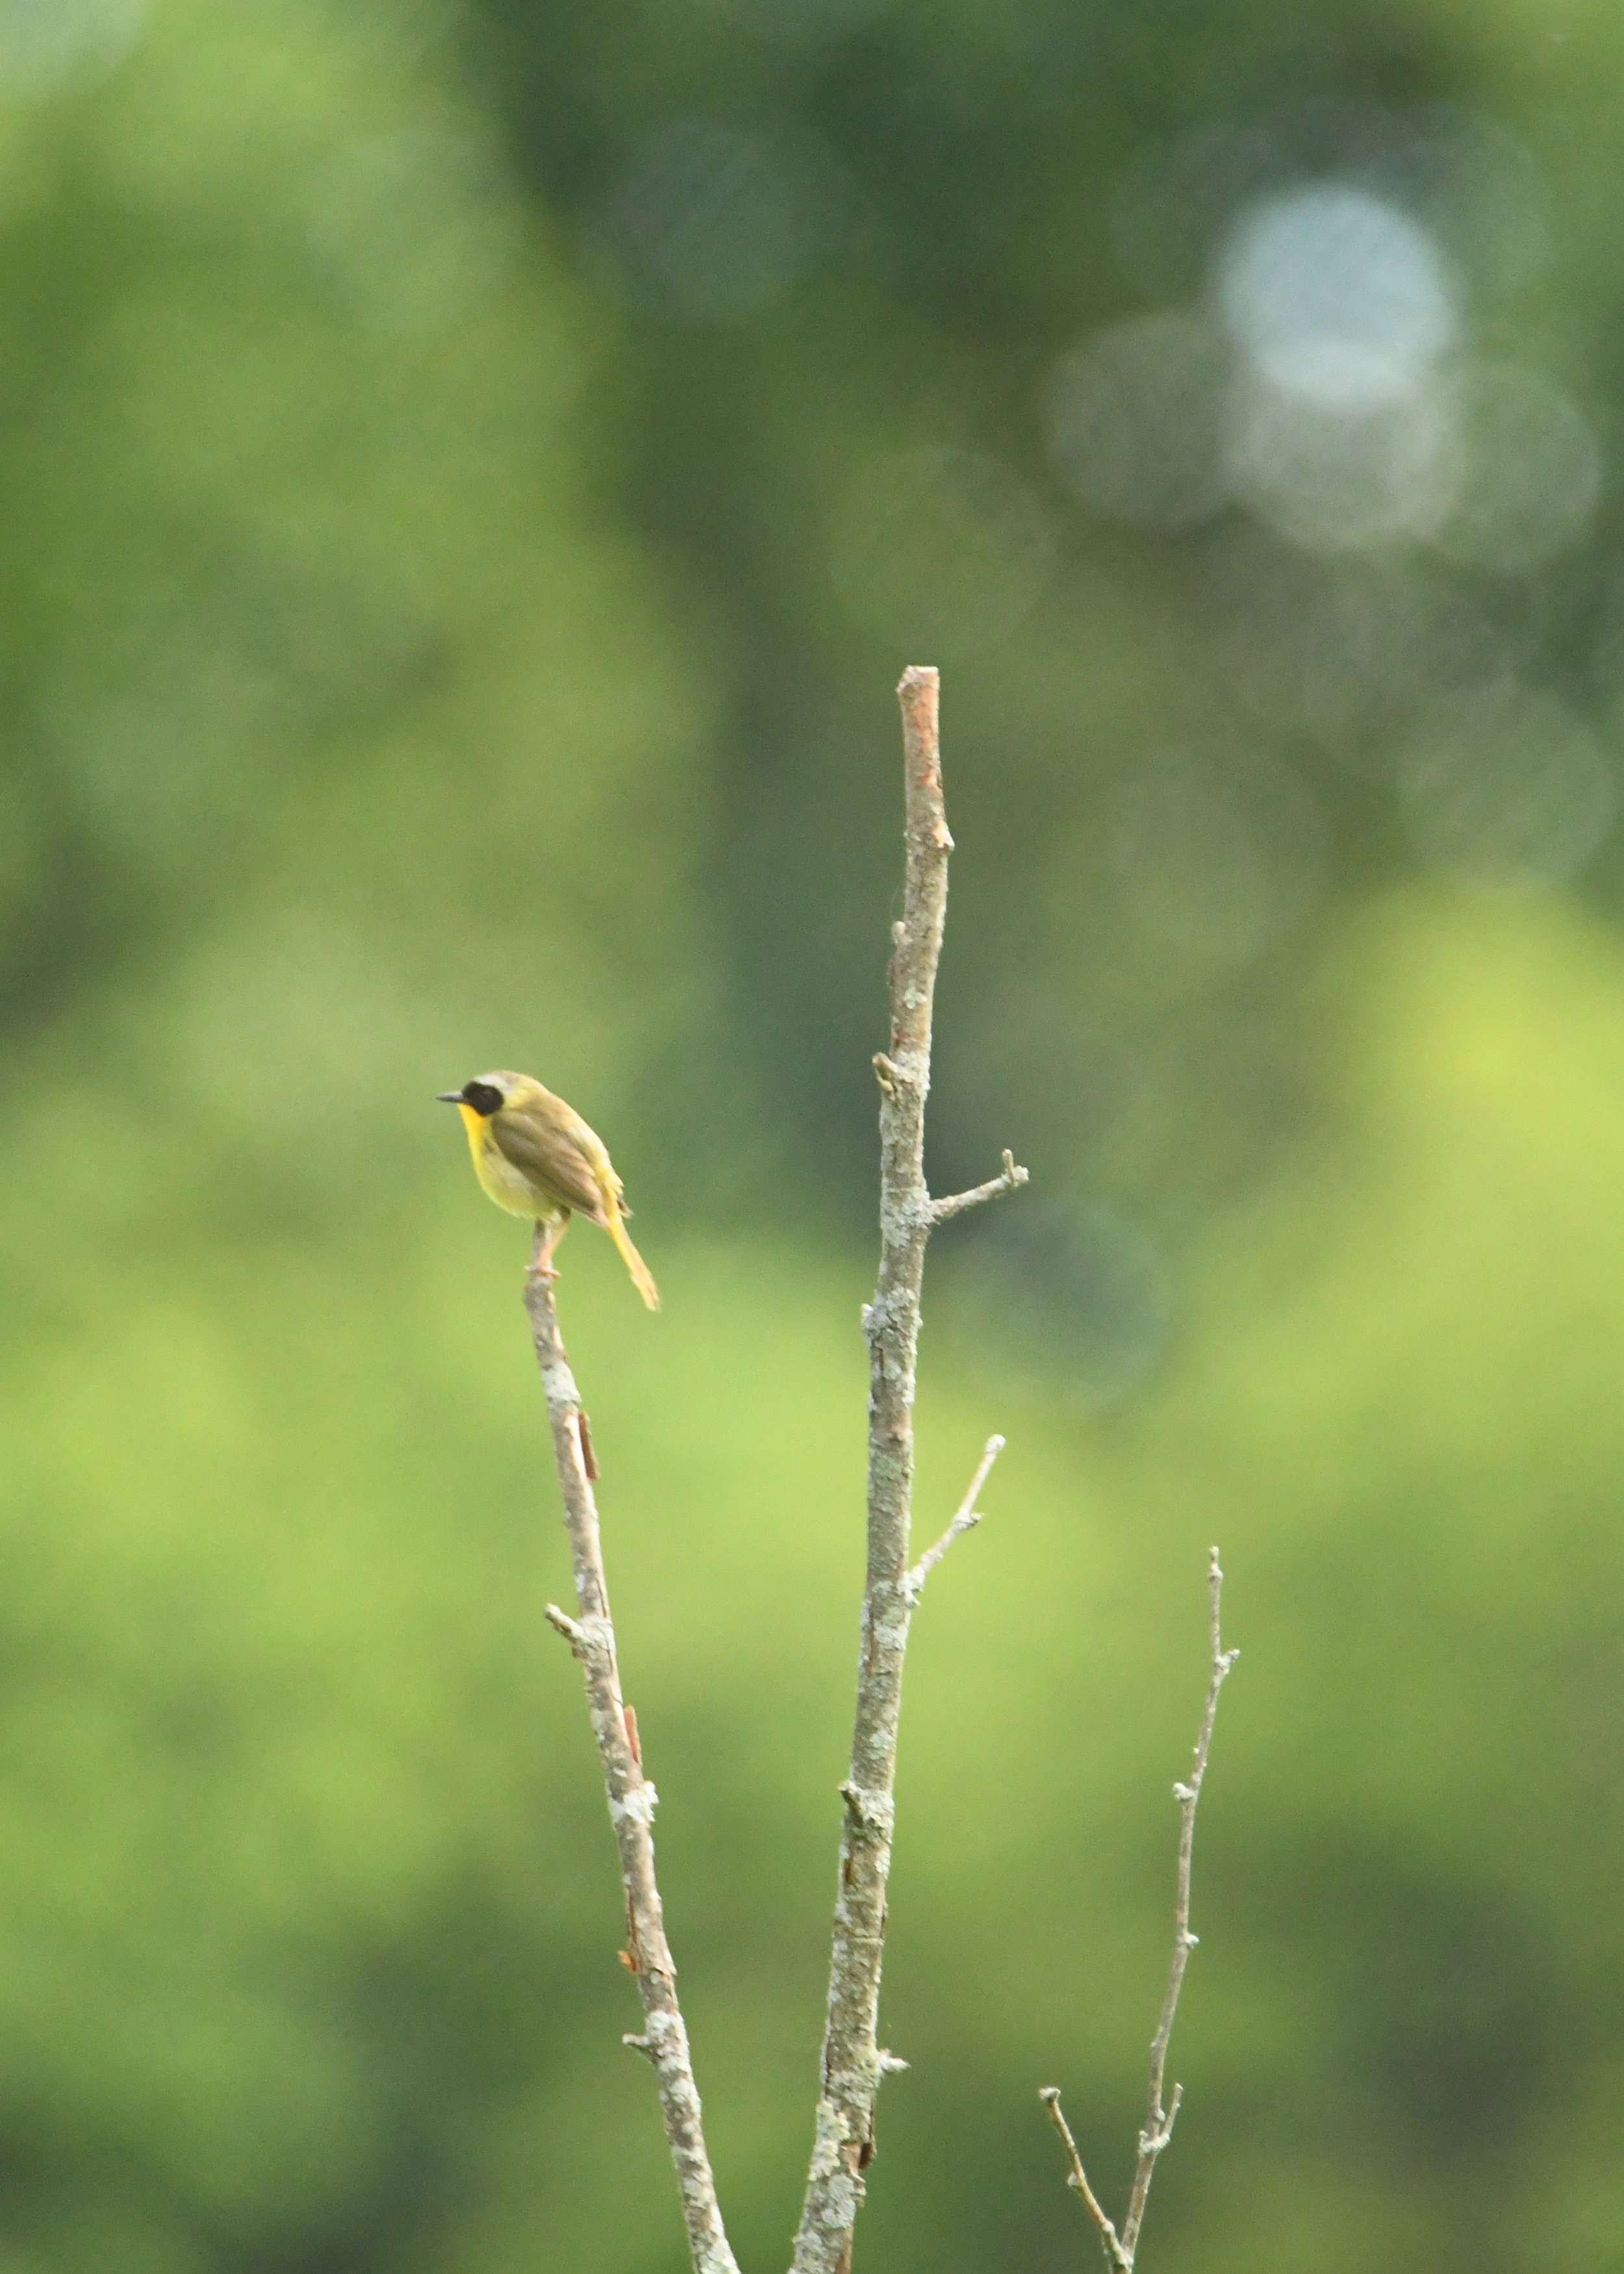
469 480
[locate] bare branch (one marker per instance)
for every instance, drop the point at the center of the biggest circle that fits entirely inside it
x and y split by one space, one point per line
1159 2120
956 1204
631 1797
1077 2178
853 2065
969 1515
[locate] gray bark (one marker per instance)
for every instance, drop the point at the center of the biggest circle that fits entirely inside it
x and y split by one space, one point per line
853 2062
631 1797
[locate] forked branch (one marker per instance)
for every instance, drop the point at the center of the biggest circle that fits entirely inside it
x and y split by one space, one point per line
1077 2178
1119 2249
854 2063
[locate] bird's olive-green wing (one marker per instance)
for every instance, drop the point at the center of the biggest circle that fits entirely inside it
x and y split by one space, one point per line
550 1158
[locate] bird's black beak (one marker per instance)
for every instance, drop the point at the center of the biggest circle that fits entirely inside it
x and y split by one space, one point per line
449 1096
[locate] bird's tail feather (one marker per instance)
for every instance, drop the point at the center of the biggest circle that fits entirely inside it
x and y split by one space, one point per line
642 1277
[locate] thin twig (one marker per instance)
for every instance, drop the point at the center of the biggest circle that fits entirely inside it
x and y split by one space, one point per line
1159 2120
631 1797
1009 1177
853 2063
969 1515
1110 2240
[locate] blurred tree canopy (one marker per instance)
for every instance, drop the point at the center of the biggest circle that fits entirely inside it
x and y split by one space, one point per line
855 244
471 477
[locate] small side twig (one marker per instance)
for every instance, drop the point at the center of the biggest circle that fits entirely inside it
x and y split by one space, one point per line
1009 1177
562 1624
968 1516
1159 2120
1077 2178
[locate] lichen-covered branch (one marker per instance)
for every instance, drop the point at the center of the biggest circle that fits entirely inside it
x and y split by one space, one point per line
1159 2120
853 2062
631 1796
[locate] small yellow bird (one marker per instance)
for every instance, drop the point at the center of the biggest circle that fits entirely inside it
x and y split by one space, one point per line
535 1156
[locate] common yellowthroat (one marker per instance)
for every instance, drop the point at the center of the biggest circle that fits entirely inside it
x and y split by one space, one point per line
535 1156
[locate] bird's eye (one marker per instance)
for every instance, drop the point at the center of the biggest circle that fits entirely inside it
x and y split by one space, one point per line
484 1096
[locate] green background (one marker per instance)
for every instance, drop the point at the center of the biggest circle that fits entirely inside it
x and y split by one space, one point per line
469 480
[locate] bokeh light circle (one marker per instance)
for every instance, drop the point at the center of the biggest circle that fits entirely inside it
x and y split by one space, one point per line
413 229
1508 790
1134 420
1529 471
715 221
1219 848
1331 479
1337 297
1346 647
44 43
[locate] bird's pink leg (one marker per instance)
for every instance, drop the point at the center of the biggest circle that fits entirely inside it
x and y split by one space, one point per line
548 1236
